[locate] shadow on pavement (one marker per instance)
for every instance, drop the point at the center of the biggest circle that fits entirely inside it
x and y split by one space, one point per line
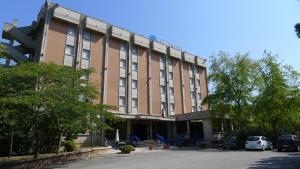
292 161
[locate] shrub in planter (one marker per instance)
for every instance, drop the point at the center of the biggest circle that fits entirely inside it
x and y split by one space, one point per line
70 145
126 149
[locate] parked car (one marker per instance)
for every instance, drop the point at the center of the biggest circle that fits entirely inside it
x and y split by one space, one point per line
258 143
288 142
230 142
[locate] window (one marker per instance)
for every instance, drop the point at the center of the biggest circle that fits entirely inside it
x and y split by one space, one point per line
170 62
122 101
193 95
122 82
71 31
134 84
162 73
134 66
171 90
199 95
85 54
162 89
123 47
134 102
162 59
191 68
191 81
163 107
170 75
193 108
198 82
122 63
134 51
87 36
172 107
69 50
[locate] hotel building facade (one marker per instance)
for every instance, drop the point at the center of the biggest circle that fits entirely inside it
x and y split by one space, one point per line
156 88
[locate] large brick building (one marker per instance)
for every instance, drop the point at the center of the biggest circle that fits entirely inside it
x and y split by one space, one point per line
157 88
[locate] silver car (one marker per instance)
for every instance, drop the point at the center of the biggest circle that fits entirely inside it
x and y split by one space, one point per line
258 143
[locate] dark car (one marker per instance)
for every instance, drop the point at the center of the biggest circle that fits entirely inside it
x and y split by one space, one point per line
230 142
288 142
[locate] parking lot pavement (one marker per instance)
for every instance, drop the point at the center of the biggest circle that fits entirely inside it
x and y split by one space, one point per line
190 159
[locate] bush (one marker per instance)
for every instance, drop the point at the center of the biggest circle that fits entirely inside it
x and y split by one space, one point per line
126 149
70 145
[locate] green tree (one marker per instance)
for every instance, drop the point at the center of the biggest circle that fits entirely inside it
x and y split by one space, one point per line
277 102
232 81
297 29
54 100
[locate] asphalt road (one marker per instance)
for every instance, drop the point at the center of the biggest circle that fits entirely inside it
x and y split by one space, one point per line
190 159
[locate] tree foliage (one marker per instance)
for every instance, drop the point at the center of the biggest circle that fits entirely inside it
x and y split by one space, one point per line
232 82
46 102
261 95
297 29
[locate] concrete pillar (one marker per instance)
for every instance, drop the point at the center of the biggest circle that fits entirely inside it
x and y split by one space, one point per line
106 49
182 87
188 131
207 130
150 130
128 129
129 78
45 32
149 90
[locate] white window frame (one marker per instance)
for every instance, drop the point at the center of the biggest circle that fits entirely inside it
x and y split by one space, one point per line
121 100
162 89
193 108
171 89
191 81
135 66
162 73
87 36
193 95
162 59
122 80
71 31
123 47
134 102
73 49
172 107
134 51
89 54
171 76
134 84
123 61
169 61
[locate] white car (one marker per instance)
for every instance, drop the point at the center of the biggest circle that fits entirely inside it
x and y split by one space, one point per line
258 143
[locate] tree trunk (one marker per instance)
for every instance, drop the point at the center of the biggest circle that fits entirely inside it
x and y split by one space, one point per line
59 141
11 144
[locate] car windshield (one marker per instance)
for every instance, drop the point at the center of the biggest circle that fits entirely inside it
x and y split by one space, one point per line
286 137
252 138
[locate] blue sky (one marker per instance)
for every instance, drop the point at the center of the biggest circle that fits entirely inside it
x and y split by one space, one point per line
201 27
